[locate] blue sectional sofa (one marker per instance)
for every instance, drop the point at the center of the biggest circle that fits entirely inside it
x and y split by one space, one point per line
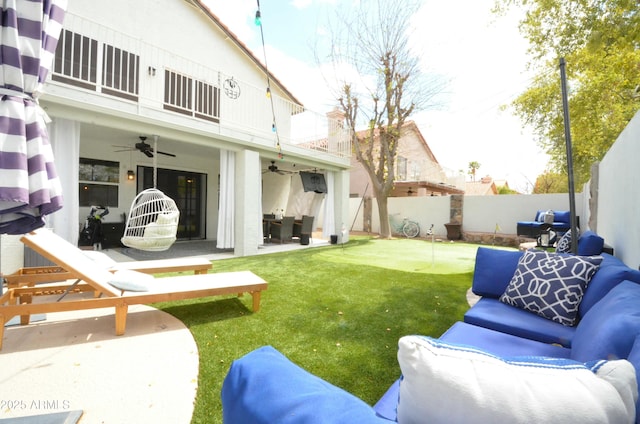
531 229
501 364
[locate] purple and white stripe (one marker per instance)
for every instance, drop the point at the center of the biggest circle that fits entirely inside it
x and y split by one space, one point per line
29 185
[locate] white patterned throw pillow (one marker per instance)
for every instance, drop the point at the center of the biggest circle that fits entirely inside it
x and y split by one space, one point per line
564 244
551 284
448 383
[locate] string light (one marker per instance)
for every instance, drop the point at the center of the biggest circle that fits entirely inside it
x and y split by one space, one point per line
274 127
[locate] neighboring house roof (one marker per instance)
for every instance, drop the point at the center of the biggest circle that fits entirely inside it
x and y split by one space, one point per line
243 47
485 187
431 186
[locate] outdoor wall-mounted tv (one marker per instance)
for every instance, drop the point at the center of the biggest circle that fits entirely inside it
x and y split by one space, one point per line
312 181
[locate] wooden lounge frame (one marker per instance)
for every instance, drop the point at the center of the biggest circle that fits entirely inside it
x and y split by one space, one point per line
29 276
19 301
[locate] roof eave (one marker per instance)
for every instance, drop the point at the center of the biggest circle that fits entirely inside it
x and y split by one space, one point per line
244 48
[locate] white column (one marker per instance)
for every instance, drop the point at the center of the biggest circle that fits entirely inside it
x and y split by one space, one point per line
64 136
226 211
343 218
248 213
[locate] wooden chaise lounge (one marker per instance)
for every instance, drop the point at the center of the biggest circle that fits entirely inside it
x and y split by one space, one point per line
68 295
29 276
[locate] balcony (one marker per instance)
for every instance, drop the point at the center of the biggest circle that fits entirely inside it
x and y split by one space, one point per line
101 66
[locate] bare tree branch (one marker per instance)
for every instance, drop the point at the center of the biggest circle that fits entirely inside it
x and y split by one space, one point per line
380 84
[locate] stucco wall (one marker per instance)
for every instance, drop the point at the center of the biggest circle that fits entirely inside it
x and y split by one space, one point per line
619 195
480 213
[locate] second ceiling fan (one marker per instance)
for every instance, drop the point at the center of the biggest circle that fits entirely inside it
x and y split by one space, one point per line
274 168
146 148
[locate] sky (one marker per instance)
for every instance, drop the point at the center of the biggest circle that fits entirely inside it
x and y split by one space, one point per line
481 57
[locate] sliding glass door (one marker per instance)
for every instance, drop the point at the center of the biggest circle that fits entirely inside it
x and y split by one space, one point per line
188 190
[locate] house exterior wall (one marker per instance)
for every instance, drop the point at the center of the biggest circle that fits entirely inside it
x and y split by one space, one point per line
178 36
421 166
177 27
414 162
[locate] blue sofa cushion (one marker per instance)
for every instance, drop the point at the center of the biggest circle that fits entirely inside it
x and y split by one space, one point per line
589 243
550 284
498 316
610 328
493 270
501 344
634 358
561 223
453 383
612 272
264 387
387 405
562 216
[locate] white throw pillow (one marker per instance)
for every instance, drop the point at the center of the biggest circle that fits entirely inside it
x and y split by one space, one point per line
165 226
127 280
449 383
170 218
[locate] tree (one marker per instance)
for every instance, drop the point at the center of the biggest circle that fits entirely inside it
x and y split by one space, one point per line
506 190
551 182
600 41
473 167
382 86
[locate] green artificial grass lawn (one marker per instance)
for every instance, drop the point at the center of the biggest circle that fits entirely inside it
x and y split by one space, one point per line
337 311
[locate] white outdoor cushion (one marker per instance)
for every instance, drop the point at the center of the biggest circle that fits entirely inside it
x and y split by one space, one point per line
449 383
128 280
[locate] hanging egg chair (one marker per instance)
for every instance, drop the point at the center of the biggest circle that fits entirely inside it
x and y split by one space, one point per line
153 220
152 223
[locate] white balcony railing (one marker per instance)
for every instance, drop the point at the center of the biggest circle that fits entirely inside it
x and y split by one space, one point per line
92 56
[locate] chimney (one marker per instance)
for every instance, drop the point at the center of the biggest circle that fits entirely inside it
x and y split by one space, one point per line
337 137
337 116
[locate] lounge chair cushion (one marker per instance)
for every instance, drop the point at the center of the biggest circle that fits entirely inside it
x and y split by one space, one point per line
446 382
551 284
127 280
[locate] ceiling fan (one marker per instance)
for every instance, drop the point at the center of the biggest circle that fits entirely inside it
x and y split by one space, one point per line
274 168
145 148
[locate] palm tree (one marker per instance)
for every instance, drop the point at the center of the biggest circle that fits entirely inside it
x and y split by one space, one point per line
473 167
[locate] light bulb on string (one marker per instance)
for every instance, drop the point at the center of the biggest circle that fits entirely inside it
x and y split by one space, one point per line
258 20
273 127
268 92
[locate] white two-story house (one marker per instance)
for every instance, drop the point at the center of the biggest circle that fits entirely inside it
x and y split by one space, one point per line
169 74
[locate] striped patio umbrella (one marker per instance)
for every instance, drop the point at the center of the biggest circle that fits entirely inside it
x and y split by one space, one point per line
29 185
